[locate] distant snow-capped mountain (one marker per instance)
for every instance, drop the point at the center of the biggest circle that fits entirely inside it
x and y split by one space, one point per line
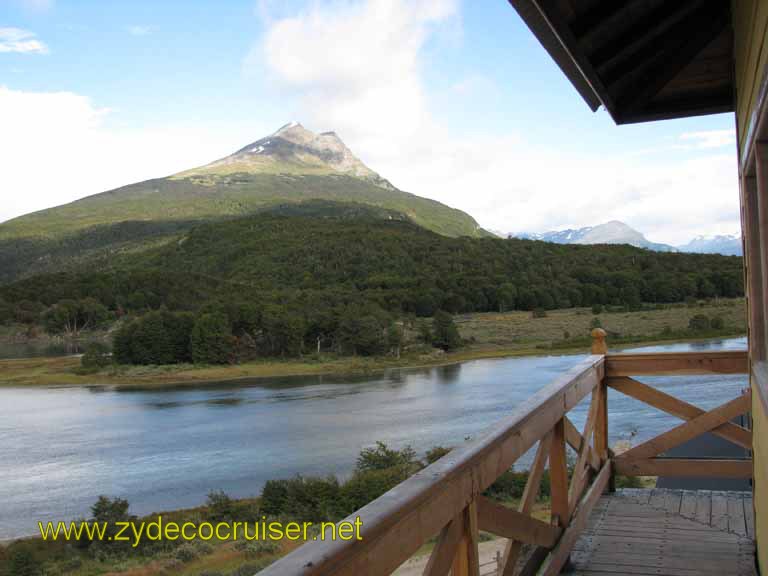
616 232
727 244
613 232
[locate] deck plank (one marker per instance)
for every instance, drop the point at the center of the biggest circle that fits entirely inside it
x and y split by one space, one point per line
672 532
719 511
736 521
688 504
704 507
749 516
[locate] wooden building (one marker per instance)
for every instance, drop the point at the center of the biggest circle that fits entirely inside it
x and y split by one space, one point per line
643 60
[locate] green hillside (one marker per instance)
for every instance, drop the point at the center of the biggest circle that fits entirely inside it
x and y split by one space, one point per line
198 198
291 166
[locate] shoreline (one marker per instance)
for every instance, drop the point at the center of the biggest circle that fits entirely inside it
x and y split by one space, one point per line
61 371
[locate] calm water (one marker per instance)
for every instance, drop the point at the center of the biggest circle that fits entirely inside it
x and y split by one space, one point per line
163 449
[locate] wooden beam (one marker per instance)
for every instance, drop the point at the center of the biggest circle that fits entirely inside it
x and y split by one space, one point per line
759 260
643 33
565 40
580 477
710 468
677 363
502 521
671 405
513 548
561 552
601 15
653 67
466 562
689 430
574 439
441 559
558 477
756 303
601 426
542 28
534 562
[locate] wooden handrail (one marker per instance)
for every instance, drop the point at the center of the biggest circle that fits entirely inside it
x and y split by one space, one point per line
677 363
395 525
445 499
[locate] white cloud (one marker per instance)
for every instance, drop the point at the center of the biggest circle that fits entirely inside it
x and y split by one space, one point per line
710 138
138 30
357 68
22 41
59 146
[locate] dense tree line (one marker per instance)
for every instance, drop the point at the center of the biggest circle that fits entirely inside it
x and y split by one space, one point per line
281 285
401 267
219 334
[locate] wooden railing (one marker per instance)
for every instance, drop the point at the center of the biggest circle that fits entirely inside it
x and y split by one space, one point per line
445 500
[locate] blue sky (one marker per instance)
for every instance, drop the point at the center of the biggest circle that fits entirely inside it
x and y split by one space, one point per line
448 99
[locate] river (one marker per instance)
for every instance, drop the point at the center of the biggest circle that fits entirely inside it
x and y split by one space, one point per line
61 447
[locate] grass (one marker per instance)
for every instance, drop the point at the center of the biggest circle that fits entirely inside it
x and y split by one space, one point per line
519 331
488 335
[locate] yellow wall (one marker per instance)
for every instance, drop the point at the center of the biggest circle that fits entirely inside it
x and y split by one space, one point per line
760 455
750 26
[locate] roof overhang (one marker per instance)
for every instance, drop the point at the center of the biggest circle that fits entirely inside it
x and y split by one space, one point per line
641 59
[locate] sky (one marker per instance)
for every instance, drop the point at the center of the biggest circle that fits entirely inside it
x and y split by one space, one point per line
454 100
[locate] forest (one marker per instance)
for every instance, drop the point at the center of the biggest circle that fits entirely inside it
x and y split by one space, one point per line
288 284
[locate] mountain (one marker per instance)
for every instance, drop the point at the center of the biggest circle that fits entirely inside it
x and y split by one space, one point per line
727 245
613 232
291 166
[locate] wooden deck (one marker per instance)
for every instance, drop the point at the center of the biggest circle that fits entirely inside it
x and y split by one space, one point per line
668 533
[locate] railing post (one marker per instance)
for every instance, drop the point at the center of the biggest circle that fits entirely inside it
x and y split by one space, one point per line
466 562
600 346
558 478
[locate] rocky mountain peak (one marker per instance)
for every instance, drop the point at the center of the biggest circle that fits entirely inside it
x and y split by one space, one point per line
295 149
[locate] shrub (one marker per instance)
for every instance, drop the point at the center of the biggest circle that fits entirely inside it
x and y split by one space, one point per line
699 323
538 313
366 486
597 309
251 568
510 484
382 457
159 337
434 454
211 341
425 333
445 335
310 499
23 563
96 356
186 552
260 548
628 482
220 506
717 323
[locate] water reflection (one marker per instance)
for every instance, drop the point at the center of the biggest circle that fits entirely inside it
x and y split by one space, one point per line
449 373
